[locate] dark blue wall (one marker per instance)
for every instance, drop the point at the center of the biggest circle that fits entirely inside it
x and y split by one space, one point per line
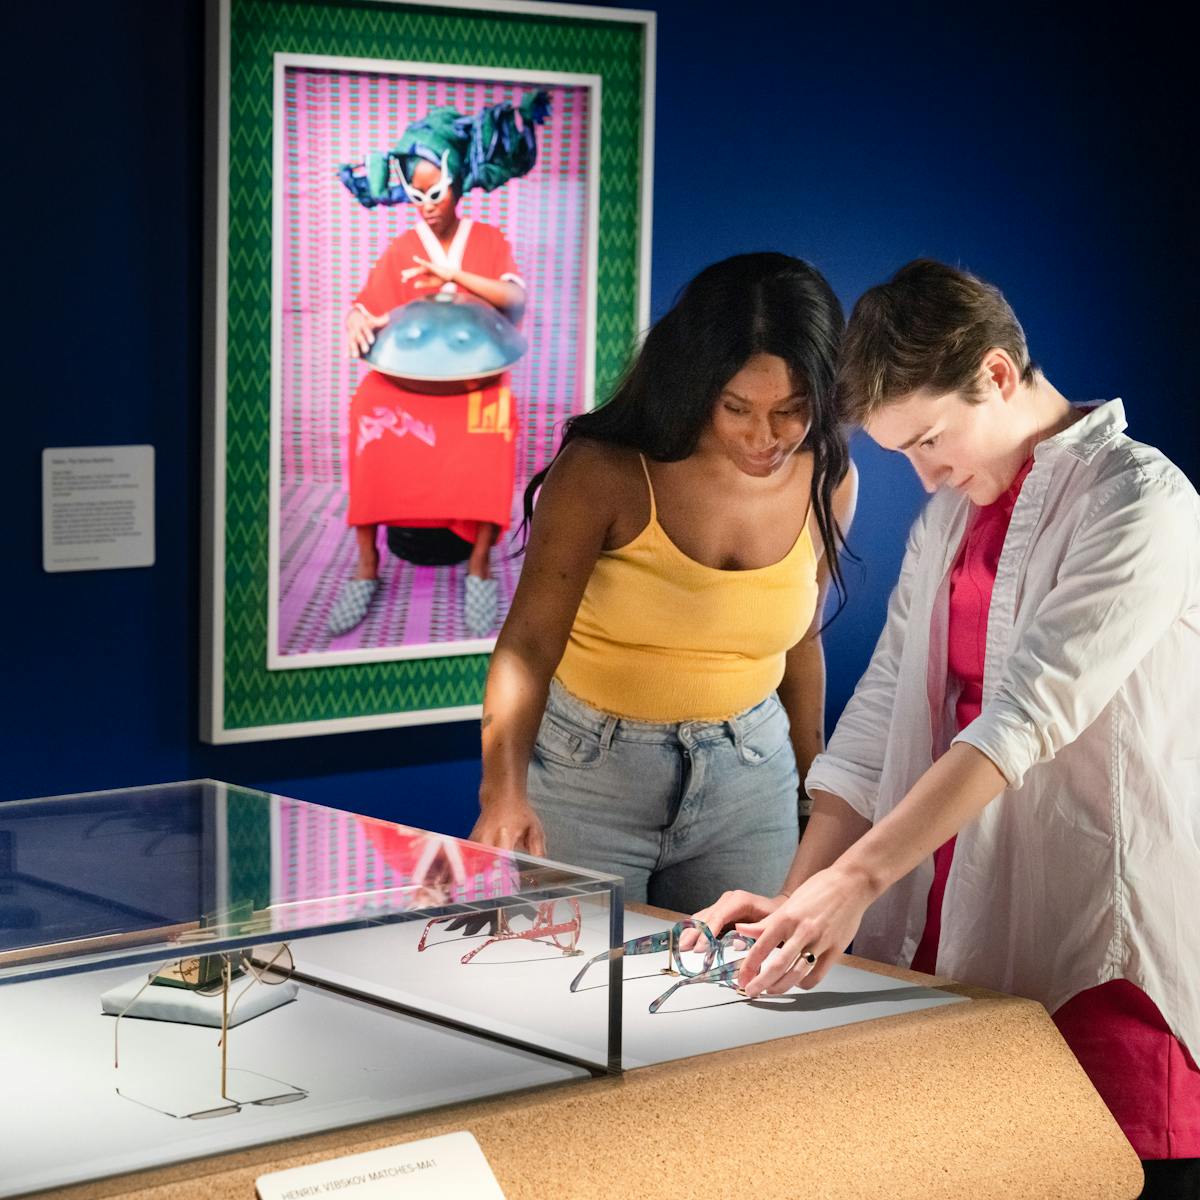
1042 154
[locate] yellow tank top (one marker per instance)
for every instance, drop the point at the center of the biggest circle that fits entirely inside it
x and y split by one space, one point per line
661 637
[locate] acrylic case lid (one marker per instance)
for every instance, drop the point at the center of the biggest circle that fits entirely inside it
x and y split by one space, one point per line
140 874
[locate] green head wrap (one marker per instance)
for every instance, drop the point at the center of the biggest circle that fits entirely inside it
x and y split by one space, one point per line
484 151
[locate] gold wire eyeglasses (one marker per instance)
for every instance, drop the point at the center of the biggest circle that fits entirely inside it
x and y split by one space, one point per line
276 970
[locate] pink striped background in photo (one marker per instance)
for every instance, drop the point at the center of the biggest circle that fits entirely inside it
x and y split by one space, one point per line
329 245
336 866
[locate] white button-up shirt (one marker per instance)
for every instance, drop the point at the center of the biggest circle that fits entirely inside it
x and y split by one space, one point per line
1087 868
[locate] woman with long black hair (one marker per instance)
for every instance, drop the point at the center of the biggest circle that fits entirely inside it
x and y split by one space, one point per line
660 674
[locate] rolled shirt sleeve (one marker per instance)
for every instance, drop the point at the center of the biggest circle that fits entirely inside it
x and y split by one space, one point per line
852 765
1124 580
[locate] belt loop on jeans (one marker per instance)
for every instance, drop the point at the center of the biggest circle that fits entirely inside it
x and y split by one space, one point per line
734 726
610 726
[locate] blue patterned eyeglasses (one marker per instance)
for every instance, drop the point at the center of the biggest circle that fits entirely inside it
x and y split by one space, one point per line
712 948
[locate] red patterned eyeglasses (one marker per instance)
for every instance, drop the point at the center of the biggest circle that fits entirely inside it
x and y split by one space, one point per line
554 922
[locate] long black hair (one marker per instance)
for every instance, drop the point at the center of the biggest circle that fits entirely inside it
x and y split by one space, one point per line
766 303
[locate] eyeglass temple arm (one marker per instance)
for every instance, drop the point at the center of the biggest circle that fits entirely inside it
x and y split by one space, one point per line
536 934
650 943
724 974
591 962
117 1023
248 962
429 928
226 979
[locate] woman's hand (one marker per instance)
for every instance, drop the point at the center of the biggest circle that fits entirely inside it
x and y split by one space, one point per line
443 271
510 824
504 294
819 918
731 907
576 506
360 330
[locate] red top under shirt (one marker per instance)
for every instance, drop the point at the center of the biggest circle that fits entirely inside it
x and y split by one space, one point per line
1144 1075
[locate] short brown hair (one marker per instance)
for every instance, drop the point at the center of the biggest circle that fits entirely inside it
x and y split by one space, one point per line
926 329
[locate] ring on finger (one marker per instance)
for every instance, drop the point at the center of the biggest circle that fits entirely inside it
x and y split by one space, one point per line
805 956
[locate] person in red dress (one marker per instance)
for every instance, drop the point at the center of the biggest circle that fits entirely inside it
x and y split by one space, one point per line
1009 797
435 461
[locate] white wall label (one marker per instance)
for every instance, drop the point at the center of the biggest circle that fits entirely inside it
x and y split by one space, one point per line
97 507
450 1167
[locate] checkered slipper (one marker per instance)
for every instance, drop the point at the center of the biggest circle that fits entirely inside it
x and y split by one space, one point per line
482 606
351 605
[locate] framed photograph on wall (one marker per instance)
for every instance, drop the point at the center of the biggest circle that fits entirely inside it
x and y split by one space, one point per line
428 246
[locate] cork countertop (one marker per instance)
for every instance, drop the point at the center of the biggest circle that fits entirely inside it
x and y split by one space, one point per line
980 1100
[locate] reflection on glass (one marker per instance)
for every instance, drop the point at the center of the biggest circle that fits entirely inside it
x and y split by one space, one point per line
133 874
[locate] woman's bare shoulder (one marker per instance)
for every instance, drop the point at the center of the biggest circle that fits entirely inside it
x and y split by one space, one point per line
599 483
597 466
845 497
844 501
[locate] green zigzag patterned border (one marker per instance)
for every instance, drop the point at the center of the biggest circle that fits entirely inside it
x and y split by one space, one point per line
254 696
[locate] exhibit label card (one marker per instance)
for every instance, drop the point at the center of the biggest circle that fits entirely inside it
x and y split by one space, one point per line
97 507
450 1167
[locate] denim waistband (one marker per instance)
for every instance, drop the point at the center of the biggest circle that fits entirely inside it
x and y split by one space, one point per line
609 725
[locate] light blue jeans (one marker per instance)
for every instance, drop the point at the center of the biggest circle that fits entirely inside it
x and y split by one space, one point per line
683 812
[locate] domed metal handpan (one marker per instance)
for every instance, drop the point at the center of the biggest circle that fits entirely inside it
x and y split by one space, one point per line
448 338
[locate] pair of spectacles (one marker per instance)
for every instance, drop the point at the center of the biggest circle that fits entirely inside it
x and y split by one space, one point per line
437 193
290 1096
713 949
276 970
272 972
557 922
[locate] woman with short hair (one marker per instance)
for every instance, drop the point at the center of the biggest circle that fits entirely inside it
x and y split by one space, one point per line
1010 797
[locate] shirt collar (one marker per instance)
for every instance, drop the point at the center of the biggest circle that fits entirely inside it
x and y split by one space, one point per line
1089 435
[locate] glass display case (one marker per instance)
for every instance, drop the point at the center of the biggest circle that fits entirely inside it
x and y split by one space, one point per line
195 968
